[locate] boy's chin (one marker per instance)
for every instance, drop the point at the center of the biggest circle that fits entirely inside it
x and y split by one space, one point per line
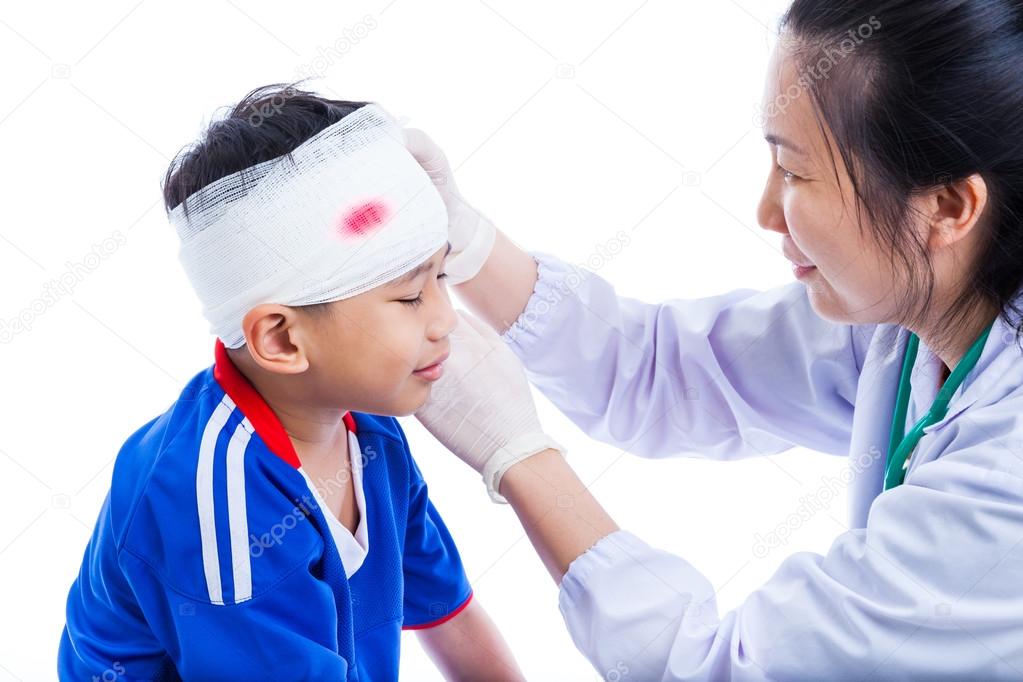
411 401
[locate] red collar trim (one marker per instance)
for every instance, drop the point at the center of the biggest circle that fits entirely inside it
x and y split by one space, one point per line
252 405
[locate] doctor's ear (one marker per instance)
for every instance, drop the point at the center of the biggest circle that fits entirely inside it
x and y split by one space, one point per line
954 210
275 338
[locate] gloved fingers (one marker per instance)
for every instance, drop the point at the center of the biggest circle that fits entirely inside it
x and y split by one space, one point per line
399 121
443 396
472 330
481 327
483 330
429 155
464 334
468 350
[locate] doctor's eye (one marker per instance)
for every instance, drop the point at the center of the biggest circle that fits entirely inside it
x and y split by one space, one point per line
786 174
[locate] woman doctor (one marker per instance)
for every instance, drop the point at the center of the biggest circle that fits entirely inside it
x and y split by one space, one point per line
896 132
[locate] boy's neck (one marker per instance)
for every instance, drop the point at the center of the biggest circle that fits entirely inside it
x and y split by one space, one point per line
318 433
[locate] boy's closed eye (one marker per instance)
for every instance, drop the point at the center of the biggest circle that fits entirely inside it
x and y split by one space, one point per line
414 302
417 276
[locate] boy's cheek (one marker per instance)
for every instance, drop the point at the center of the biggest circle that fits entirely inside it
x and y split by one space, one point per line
410 397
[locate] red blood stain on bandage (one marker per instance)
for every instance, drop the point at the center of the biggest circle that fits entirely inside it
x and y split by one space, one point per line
363 219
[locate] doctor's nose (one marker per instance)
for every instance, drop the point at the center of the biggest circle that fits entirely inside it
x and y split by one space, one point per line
770 214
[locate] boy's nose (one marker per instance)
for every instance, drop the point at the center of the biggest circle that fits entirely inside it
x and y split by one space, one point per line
445 322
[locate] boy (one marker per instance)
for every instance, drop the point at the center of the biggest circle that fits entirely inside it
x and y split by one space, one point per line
270 525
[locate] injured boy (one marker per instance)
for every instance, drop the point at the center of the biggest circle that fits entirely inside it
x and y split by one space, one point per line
272 524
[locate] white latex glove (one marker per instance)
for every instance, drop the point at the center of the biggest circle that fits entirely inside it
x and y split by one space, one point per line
481 408
470 232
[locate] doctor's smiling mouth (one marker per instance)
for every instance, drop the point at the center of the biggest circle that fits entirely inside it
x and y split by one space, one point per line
801 267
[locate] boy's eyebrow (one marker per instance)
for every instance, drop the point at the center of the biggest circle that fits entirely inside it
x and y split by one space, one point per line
418 270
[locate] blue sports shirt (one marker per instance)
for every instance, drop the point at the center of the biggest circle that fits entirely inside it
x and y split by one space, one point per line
211 559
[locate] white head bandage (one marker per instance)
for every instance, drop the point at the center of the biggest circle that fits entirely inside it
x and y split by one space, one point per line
349 210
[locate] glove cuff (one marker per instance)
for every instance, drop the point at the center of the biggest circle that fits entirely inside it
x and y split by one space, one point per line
461 266
510 454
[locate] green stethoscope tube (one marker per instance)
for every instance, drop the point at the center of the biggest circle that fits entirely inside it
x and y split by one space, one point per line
900 446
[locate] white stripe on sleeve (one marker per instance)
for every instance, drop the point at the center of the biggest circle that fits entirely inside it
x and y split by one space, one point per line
241 561
204 498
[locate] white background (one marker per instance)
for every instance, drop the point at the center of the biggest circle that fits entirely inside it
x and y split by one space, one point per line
568 122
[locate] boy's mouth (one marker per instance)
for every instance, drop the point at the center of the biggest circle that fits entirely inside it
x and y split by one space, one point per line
433 371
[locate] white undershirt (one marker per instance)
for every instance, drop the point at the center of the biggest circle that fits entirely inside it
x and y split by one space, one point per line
352 548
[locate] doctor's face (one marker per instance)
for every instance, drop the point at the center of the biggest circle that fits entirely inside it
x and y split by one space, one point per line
848 275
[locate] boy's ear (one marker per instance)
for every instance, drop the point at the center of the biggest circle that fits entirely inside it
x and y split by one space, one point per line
274 339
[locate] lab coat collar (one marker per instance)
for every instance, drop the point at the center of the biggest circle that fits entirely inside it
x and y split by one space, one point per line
1000 352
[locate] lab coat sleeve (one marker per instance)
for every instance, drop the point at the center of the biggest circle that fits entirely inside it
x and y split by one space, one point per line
741 374
929 590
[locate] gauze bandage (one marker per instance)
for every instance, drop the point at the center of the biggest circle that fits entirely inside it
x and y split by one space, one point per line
348 211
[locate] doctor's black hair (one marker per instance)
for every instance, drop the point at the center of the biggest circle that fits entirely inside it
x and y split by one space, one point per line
920 94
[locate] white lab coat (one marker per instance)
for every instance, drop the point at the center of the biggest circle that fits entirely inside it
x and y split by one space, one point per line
928 584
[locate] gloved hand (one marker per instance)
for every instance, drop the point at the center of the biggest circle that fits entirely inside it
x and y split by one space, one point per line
470 232
481 408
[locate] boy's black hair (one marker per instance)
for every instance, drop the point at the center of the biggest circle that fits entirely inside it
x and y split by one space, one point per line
269 122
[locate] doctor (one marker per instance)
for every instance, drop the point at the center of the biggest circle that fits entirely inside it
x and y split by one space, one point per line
896 132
